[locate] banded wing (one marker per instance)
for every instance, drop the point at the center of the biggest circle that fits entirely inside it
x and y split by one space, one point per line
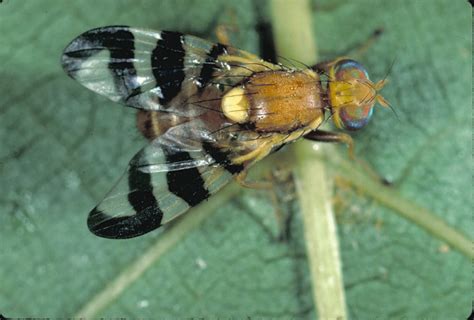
162 181
156 70
179 76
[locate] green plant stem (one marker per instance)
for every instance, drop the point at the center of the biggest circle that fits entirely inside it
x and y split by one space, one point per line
315 194
294 39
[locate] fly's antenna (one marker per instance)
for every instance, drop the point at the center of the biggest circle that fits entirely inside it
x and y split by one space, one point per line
389 70
380 84
384 103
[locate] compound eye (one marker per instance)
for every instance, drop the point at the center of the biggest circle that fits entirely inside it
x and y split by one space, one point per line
356 115
348 69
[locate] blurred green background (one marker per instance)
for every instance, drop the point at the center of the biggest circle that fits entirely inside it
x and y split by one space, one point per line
62 148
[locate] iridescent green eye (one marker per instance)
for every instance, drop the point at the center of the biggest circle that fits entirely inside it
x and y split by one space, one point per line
355 118
348 69
352 95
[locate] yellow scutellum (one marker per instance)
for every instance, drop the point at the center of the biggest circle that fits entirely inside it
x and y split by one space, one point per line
235 105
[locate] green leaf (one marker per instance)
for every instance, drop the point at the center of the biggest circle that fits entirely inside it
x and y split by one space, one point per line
63 147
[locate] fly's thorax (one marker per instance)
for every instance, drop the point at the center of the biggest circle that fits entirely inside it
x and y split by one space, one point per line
275 101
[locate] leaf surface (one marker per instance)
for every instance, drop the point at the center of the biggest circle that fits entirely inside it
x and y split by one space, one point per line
63 148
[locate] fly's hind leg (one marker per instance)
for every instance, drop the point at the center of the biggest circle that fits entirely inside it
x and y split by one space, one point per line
268 184
283 195
279 186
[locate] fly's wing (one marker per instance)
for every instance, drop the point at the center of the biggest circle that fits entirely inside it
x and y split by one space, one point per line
178 75
163 180
155 70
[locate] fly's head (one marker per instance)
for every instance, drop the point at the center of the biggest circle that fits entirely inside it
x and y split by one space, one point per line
352 95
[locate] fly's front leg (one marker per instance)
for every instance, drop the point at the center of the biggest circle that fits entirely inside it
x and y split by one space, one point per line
357 51
327 136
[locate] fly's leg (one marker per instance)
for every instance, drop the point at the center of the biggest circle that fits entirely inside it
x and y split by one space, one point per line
223 30
222 33
280 186
272 183
327 136
282 195
223 25
251 157
278 212
356 52
241 179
